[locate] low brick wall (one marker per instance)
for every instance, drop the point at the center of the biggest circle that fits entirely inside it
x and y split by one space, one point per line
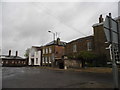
72 64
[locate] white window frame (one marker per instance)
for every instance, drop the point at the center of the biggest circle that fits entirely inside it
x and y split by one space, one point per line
89 46
50 50
43 60
43 51
46 59
49 59
46 50
74 48
36 60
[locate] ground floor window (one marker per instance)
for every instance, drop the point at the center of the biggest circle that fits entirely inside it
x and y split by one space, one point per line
36 60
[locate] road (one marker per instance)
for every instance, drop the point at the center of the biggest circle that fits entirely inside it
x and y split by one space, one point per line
31 77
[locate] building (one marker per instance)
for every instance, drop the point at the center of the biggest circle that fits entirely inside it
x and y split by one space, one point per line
95 44
82 44
100 38
13 60
35 56
52 52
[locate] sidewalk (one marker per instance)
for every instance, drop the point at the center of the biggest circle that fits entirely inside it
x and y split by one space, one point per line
88 69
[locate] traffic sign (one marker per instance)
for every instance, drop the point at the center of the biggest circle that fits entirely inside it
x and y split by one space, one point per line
111 30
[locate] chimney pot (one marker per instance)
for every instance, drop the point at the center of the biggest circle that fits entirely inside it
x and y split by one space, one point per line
16 53
9 52
100 19
58 41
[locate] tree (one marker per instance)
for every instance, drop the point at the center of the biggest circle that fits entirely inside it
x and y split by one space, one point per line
27 53
86 56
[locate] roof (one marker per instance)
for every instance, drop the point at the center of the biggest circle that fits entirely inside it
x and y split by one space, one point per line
83 38
97 24
55 43
10 57
37 47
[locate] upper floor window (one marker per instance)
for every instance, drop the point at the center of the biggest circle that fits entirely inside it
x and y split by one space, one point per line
46 50
43 51
50 50
74 48
89 46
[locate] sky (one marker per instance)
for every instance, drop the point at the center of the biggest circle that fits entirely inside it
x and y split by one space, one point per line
26 24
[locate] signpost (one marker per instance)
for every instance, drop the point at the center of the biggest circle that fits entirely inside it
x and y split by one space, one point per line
112 32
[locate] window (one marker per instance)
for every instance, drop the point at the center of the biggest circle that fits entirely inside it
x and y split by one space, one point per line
43 51
6 62
43 59
49 59
12 61
74 48
18 61
46 59
36 60
50 50
89 46
46 50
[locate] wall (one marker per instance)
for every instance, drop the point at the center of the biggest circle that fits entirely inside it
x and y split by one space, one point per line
72 63
81 45
99 41
34 55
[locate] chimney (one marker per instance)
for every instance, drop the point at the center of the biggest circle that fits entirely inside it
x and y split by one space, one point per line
100 19
58 41
16 53
9 52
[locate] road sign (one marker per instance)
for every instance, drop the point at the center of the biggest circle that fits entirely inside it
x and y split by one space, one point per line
111 30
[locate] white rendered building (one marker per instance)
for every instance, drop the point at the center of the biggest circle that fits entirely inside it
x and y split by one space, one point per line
35 56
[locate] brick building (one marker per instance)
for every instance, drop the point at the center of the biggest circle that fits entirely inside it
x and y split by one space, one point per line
81 44
13 60
52 52
95 43
100 38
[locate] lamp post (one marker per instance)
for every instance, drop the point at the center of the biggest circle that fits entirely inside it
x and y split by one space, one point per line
54 48
53 35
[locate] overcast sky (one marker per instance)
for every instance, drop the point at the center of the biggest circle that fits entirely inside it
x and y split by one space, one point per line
26 24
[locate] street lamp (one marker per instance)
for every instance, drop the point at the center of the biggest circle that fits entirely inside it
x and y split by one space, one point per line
54 47
53 35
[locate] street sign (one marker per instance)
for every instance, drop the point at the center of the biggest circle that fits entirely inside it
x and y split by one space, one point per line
111 30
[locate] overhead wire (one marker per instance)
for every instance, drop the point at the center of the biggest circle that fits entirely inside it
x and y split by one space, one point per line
57 18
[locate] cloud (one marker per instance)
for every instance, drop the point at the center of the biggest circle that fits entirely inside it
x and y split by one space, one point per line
27 23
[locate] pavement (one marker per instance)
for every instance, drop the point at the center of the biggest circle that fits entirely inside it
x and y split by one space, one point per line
36 77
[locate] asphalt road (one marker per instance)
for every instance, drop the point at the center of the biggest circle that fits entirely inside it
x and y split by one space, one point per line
29 77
